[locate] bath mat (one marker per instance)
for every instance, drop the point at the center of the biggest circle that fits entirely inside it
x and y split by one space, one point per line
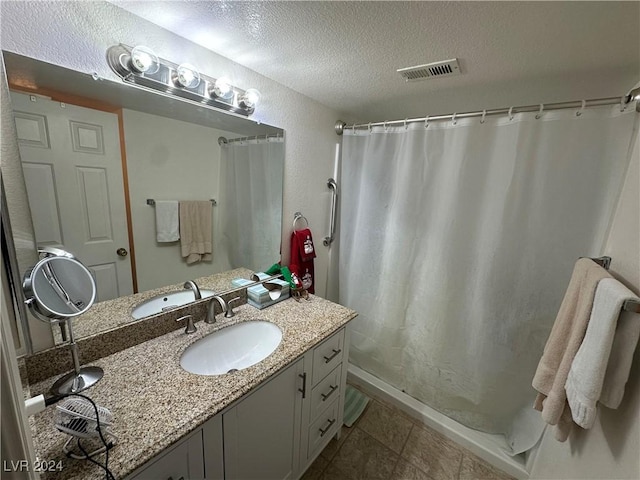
354 404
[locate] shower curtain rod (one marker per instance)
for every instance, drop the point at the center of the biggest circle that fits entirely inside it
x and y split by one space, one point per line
624 100
224 140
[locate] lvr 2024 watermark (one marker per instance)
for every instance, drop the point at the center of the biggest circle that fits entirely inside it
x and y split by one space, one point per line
27 466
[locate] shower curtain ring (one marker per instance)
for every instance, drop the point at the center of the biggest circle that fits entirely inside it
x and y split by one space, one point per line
623 104
484 114
539 114
579 112
369 127
426 121
453 119
385 126
405 123
510 113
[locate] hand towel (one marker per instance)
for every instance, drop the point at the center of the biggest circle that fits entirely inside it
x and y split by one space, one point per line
196 231
587 373
167 229
304 242
300 267
563 344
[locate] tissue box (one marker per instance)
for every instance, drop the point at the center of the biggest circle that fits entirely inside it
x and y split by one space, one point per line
241 282
258 295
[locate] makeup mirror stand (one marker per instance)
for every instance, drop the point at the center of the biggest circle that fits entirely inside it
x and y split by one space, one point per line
56 295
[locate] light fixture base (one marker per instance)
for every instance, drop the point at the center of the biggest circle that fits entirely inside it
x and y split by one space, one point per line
85 378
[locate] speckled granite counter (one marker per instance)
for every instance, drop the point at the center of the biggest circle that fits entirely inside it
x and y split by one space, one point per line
155 402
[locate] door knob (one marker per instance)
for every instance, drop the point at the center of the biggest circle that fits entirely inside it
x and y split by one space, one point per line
122 252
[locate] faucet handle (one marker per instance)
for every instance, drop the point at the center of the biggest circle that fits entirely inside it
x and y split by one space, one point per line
230 313
191 328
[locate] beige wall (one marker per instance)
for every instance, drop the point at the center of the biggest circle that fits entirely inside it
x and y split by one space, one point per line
169 160
611 449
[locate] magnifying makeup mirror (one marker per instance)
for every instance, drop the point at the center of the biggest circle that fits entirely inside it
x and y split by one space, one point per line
57 289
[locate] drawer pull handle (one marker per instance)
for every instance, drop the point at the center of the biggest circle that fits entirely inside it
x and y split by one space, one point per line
327 395
332 356
303 390
323 432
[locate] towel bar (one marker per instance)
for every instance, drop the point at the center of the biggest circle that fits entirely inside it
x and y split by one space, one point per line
152 202
629 305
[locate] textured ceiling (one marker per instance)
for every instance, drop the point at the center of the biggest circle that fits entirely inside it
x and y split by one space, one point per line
345 54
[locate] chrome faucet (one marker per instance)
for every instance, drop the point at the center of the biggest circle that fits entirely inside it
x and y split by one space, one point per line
196 291
211 312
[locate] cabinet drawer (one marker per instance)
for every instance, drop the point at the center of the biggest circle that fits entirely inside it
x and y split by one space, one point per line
325 392
325 427
327 356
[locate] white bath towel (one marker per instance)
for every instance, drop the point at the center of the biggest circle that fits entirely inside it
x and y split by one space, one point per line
167 226
587 374
196 231
563 344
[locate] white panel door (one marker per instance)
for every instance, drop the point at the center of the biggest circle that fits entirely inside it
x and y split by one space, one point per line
73 172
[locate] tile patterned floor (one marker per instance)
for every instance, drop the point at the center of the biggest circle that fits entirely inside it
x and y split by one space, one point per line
387 444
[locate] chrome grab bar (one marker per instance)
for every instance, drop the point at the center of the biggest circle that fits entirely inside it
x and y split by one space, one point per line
331 183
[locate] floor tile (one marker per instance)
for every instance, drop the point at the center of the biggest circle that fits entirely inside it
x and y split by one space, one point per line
315 470
386 403
405 471
433 453
334 445
386 425
361 457
474 468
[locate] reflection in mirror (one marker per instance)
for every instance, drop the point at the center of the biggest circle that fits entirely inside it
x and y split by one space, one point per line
95 151
57 289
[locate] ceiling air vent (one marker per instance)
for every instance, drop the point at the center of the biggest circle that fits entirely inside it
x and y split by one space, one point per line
446 68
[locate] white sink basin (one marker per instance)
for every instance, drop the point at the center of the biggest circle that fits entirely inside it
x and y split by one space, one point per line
232 348
167 302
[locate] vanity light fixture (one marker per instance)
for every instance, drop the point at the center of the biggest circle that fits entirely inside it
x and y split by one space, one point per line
140 66
249 99
222 89
186 76
144 60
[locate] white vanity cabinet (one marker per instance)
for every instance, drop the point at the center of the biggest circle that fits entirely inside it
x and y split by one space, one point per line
323 409
262 432
272 433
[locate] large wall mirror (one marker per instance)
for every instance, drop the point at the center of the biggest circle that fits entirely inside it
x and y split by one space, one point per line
98 165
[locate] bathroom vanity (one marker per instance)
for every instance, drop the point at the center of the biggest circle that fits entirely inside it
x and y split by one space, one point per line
270 420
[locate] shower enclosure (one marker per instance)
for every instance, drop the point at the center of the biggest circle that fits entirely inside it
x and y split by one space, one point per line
458 240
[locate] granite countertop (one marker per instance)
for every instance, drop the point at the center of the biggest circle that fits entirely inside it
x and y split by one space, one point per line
115 313
155 402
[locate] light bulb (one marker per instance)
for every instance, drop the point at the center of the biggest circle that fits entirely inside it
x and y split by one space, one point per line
250 99
144 60
187 76
222 89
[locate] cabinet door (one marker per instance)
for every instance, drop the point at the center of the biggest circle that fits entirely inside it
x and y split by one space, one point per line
182 462
262 432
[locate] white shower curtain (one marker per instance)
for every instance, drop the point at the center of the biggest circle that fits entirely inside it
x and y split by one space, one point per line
457 243
251 174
